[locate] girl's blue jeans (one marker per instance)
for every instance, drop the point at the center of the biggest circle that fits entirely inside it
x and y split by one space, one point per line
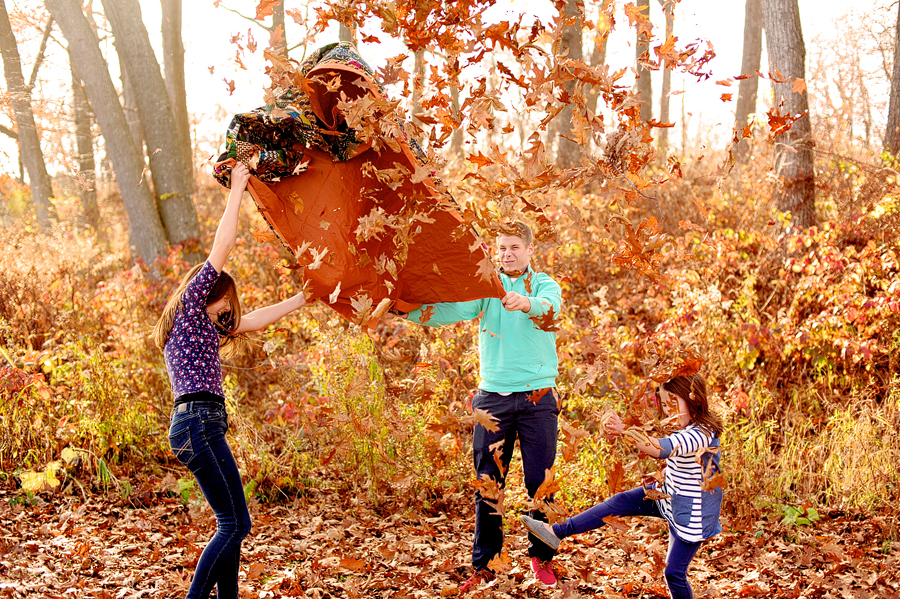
197 436
634 503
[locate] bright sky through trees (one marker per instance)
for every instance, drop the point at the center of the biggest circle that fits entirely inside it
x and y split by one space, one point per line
209 58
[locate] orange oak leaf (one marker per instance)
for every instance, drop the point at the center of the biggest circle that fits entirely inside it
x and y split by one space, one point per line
265 8
549 486
479 159
535 396
264 236
486 419
547 321
425 316
615 478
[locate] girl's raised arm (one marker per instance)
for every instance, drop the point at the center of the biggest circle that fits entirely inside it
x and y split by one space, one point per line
260 319
227 231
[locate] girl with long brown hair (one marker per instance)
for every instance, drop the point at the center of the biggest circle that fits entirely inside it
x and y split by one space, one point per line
690 500
202 320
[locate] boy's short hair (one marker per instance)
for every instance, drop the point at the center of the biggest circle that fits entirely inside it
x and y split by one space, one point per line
518 229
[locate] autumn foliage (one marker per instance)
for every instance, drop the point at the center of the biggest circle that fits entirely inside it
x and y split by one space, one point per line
667 266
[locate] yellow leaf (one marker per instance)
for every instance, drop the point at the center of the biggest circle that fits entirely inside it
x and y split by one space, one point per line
36 482
486 419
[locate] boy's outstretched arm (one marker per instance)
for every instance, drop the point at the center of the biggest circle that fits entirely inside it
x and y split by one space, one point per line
260 319
435 315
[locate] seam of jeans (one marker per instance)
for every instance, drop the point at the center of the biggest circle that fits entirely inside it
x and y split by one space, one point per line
222 546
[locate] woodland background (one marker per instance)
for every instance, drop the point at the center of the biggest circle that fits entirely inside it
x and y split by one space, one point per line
773 256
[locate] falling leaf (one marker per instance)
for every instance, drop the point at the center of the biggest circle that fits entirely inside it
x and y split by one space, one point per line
615 477
717 480
229 85
426 314
317 256
487 420
496 450
549 486
485 269
615 523
798 86
264 236
334 294
535 396
726 97
652 494
546 321
362 307
265 8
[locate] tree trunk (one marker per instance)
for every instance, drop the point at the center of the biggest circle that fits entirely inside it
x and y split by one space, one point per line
173 66
28 139
568 152
793 149
132 112
279 33
418 80
747 88
456 138
171 173
892 132
598 58
84 143
643 83
663 140
148 235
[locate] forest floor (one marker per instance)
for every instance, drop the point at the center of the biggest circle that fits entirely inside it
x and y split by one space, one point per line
332 545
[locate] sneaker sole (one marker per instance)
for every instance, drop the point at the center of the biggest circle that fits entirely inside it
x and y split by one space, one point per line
536 527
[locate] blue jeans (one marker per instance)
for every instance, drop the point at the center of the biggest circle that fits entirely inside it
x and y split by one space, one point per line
535 424
197 436
634 503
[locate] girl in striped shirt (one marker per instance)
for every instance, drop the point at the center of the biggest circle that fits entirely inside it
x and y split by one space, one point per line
690 500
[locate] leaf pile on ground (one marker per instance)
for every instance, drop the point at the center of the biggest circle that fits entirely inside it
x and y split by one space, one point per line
331 544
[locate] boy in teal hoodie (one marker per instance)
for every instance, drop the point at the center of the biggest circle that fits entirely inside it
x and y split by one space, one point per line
518 369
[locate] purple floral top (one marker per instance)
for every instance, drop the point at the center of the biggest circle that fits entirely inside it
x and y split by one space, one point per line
192 348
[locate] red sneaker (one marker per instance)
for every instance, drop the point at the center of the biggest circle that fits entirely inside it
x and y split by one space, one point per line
478 578
543 572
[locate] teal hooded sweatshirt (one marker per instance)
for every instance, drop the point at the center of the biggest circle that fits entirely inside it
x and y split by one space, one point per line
515 354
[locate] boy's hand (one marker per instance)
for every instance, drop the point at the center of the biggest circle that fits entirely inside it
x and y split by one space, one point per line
240 175
512 301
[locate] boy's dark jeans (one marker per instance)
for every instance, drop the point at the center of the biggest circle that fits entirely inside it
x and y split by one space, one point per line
535 424
635 503
197 436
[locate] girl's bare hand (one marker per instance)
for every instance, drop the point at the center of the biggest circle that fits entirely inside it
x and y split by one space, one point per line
240 175
614 425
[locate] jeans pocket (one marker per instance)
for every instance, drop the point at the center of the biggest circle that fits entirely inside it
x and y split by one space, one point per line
180 441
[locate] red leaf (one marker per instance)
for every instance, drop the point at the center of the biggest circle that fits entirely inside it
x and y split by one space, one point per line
546 322
425 316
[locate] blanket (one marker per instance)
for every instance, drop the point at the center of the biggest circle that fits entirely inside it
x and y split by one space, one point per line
349 194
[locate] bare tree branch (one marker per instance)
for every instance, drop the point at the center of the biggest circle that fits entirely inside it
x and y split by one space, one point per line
40 55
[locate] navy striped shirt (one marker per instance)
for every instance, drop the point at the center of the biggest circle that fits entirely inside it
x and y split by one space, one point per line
693 514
